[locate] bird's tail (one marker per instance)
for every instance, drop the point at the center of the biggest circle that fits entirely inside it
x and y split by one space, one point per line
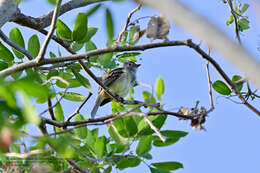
95 108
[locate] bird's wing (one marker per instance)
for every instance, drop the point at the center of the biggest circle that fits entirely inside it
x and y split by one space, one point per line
112 76
108 79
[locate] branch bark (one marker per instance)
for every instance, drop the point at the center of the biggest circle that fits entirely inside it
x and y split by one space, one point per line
8 9
45 20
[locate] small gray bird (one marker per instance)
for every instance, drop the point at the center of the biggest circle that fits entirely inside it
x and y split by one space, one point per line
119 81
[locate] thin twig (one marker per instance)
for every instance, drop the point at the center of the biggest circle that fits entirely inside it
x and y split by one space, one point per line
50 109
56 66
210 86
25 155
127 23
76 166
154 128
48 37
51 112
235 20
15 46
80 106
62 96
100 159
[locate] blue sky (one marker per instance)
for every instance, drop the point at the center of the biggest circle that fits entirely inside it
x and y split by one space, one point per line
230 142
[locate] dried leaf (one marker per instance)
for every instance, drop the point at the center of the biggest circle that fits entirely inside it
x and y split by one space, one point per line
158 28
11 167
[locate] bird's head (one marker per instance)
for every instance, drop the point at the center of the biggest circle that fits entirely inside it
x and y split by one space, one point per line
132 66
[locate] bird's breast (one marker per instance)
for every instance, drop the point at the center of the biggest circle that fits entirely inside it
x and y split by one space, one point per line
123 84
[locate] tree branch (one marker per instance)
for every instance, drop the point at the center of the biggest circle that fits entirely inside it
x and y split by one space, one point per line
33 63
76 166
15 46
25 155
188 43
210 86
206 31
62 96
48 37
8 9
80 106
230 4
127 23
45 20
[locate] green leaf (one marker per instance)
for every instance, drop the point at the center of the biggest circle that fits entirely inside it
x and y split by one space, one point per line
17 75
52 73
127 54
155 170
5 54
108 169
34 45
3 65
243 24
91 32
62 30
59 115
84 81
52 55
221 88
80 27
117 107
130 161
8 96
144 128
74 83
28 110
15 148
244 8
132 32
116 136
147 95
144 145
130 126
159 88
168 165
117 148
81 132
106 61
230 20
53 2
17 37
100 146
90 46
76 46
85 164
173 133
147 156
120 127
94 170
71 96
109 24
127 58
93 10
159 143
236 78
31 88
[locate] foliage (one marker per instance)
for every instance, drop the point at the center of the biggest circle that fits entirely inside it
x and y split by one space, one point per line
129 139
34 87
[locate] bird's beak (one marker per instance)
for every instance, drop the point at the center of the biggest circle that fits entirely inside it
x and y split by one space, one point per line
137 65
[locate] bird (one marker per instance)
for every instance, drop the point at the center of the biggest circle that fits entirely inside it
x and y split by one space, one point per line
119 81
